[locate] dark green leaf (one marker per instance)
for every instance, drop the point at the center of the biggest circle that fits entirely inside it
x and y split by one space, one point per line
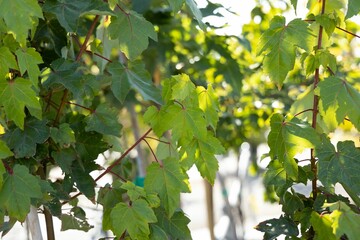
157 233
292 203
70 222
68 12
134 33
64 135
134 219
24 142
353 8
276 227
14 96
84 182
175 226
340 166
168 181
196 12
64 159
135 76
104 120
17 190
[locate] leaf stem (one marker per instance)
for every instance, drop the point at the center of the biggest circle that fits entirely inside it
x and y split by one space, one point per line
303 111
159 140
81 106
152 151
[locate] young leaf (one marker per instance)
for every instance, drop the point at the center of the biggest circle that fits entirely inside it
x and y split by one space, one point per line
345 221
28 61
287 138
104 120
134 192
134 34
279 43
183 87
24 142
168 181
68 12
322 226
176 226
21 22
136 76
208 102
14 96
7 61
17 190
134 219
353 8
340 166
338 95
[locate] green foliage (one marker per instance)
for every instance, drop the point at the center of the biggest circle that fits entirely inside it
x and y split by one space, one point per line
328 105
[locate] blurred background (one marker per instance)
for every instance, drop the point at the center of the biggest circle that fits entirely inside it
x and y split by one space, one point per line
224 56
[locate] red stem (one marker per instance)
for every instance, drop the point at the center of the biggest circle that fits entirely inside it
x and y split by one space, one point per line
81 106
152 151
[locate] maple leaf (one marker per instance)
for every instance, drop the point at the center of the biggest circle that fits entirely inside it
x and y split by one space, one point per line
28 60
134 219
17 190
14 96
168 181
7 61
68 12
208 102
24 142
287 138
176 225
322 226
134 34
340 166
279 43
22 21
104 120
337 95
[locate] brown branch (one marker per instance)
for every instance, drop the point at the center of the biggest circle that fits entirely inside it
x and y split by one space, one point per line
81 106
87 38
348 32
159 140
306 110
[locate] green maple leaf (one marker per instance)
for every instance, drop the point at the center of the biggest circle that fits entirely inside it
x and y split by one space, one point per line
196 12
7 61
287 138
28 61
279 44
134 192
168 181
339 96
14 96
156 233
176 226
71 222
322 226
134 76
183 88
84 182
17 190
202 152
208 102
340 166
345 221
68 12
134 34
134 219
275 174
69 74
104 120
23 142
184 122
353 8
64 135
21 22
64 159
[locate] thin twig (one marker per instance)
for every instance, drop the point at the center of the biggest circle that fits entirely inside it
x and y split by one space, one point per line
152 151
306 110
